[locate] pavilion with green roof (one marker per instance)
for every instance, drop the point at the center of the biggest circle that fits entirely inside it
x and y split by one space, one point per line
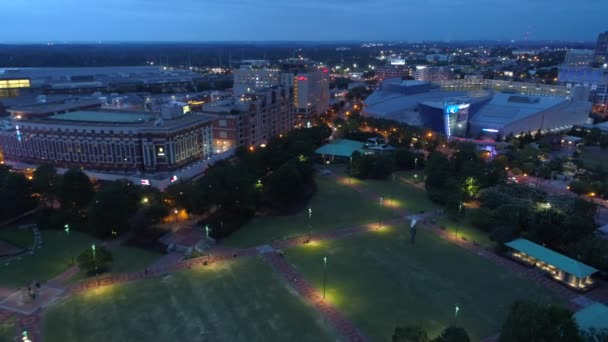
340 148
595 316
561 268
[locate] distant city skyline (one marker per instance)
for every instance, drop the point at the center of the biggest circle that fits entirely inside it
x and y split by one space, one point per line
306 20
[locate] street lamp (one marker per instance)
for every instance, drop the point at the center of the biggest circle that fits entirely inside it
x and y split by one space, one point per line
456 309
324 274
309 224
94 257
207 230
66 228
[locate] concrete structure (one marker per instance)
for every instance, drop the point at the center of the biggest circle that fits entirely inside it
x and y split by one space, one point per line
560 267
47 109
579 57
105 79
466 108
110 141
594 78
251 119
433 74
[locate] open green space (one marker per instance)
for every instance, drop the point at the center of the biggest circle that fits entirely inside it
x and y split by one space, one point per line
241 300
58 252
465 230
399 194
334 206
380 280
19 237
7 330
125 259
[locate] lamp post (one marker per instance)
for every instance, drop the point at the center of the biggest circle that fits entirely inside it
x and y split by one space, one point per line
456 310
66 228
207 231
324 274
309 224
380 215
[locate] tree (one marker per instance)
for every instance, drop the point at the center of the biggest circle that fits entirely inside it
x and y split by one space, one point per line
94 260
286 185
45 183
530 321
453 334
410 333
15 193
595 335
75 190
111 208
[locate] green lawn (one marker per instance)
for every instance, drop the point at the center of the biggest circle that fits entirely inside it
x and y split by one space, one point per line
334 206
399 194
20 237
380 280
58 251
7 330
125 259
243 300
464 229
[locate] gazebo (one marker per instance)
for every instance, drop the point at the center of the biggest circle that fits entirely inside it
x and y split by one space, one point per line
566 270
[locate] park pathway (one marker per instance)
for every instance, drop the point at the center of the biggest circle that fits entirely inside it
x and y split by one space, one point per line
342 325
63 277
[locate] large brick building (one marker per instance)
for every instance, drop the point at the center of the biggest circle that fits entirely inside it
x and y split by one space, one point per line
251 119
110 141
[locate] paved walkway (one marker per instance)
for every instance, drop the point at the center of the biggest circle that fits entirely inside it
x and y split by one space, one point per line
343 326
63 277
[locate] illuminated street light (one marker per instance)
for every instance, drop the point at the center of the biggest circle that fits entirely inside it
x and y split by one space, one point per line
324 274
66 228
456 310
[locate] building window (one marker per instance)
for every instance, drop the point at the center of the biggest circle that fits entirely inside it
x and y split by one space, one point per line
223 123
223 135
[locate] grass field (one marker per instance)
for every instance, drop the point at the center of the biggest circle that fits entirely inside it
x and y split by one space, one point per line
242 300
380 280
125 259
19 237
59 251
7 330
405 196
464 229
334 206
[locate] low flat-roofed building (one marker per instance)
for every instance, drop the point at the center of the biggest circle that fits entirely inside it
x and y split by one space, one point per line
563 269
48 109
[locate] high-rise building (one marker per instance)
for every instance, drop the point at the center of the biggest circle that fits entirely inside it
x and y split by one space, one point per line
307 82
251 119
253 76
433 74
392 71
601 48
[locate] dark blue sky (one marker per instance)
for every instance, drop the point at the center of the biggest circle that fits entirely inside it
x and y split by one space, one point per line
205 20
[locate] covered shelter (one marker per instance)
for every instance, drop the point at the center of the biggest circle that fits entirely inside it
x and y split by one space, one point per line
566 270
595 316
342 149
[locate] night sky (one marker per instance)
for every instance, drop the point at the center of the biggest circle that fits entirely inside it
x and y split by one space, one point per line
205 20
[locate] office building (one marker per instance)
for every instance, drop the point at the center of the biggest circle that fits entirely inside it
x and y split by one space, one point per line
433 74
109 141
253 76
392 71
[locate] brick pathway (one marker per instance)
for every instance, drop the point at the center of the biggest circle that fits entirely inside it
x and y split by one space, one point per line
31 324
5 292
5 315
63 277
343 326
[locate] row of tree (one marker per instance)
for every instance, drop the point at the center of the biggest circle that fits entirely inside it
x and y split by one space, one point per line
526 321
277 178
16 194
72 201
452 180
380 165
